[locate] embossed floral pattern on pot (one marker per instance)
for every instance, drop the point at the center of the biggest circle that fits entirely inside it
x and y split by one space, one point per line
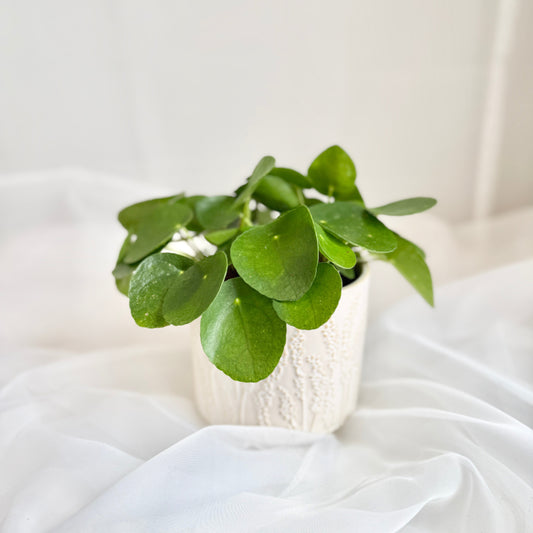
313 388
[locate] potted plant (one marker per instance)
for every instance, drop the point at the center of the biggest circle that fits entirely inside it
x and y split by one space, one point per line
278 273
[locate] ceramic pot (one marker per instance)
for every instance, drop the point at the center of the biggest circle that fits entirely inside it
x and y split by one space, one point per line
313 388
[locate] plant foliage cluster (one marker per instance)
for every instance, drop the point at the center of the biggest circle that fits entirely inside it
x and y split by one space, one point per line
278 254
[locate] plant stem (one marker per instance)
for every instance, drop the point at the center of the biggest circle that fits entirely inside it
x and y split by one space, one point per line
246 220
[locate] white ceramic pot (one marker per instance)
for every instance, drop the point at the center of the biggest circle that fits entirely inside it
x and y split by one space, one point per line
313 388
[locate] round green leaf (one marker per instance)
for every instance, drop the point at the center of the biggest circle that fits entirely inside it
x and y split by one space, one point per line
316 306
122 274
312 201
221 236
279 259
241 333
348 273
216 212
156 229
352 223
261 170
123 271
333 172
352 195
149 285
334 250
191 201
276 194
408 259
191 293
409 206
292 176
132 215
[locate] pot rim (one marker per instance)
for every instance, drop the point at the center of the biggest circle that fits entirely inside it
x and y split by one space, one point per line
365 273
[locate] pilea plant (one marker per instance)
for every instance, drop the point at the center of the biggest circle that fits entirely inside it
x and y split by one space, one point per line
276 252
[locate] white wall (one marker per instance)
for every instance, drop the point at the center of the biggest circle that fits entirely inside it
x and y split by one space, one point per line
192 93
515 186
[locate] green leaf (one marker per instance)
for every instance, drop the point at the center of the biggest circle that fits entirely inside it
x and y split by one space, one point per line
348 273
292 176
122 271
409 206
221 236
419 250
316 306
409 261
262 216
226 247
276 194
352 223
122 274
241 333
351 196
191 293
333 172
279 259
312 201
123 284
191 202
261 170
149 285
156 229
334 250
130 216
216 212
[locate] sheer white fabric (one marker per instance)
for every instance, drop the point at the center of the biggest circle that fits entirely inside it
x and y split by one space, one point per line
98 431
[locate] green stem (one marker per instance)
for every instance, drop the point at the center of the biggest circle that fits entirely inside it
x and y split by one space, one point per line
246 217
330 195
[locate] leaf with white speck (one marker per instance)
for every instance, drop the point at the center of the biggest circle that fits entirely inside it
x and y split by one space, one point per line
241 333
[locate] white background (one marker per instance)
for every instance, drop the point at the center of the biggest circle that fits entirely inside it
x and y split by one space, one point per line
430 98
98 430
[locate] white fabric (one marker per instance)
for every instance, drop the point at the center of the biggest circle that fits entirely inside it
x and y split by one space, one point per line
98 432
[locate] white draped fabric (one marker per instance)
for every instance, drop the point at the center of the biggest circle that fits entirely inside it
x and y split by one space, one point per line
98 431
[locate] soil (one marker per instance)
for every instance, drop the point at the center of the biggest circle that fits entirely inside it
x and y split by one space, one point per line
358 269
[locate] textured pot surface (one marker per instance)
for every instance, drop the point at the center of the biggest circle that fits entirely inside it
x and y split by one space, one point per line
313 388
